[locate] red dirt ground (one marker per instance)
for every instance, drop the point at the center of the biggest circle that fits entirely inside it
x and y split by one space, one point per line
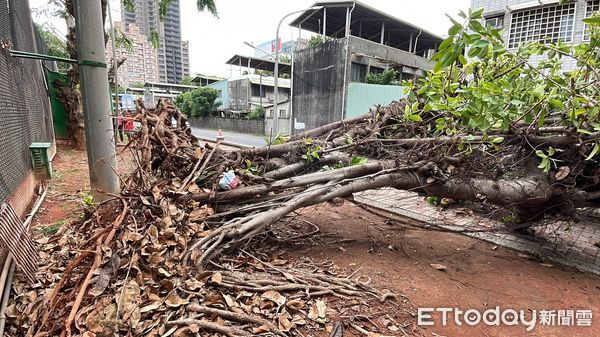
478 275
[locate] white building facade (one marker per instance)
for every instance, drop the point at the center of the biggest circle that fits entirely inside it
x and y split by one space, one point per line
141 63
545 21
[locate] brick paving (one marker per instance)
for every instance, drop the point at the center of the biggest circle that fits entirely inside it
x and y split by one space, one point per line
572 244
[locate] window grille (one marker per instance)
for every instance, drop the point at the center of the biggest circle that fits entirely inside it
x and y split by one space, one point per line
544 24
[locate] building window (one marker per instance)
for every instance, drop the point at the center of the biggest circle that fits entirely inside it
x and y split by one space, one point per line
592 7
495 21
256 92
545 24
282 113
271 113
357 72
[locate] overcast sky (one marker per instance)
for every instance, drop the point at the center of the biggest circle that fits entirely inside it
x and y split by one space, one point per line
214 40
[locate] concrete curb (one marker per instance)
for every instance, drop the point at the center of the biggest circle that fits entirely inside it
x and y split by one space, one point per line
535 249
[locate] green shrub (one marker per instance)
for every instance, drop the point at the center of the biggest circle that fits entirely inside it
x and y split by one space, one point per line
257 113
201 101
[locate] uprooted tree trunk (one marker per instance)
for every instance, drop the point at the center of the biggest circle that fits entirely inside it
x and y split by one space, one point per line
177 214
351 156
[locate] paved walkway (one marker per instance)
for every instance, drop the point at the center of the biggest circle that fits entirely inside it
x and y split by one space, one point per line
233 137
571 244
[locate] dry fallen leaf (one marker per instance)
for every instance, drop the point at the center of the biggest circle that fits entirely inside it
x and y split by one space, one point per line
274 296
438 266
562 173
318 311
216 278
284 323
261 329
295 304
229 300
174 301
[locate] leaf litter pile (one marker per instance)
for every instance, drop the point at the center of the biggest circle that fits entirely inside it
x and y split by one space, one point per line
185 250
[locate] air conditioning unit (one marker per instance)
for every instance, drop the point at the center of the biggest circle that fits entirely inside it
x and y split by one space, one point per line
271 98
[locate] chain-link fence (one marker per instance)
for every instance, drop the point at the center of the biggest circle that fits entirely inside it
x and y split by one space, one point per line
25 114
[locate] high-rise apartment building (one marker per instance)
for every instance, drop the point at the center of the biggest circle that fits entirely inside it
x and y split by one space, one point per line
543 21
141 63
173 54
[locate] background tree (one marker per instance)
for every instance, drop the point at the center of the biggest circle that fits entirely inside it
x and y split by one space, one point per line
387 77
257 113
199 102
56 46
316 40
186 80
69 94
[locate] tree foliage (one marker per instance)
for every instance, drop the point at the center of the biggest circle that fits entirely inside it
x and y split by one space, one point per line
495 91
186 80
387 77
56 46
316 40
122 40
198 102
257 113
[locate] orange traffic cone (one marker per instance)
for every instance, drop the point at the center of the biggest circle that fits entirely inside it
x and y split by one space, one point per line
220 136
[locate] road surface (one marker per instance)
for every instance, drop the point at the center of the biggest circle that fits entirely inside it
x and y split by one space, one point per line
233 137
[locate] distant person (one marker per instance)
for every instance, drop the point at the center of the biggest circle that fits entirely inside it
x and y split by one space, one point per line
128 124
119 122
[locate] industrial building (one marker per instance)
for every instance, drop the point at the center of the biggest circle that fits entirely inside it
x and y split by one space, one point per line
327 79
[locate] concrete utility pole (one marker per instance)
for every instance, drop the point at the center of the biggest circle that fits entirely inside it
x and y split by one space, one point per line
93 78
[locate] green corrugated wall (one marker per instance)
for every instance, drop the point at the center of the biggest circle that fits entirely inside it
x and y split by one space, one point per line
59 115
363 96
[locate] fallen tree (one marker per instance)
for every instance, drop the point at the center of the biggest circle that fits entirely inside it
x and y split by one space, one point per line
166 255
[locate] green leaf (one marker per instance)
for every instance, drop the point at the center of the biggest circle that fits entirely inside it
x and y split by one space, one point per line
128 4
594 152
154 39
356 160
454 29
497 140
540 154
477 13
545 165
454 22
473 51
414 118
592 21
446 43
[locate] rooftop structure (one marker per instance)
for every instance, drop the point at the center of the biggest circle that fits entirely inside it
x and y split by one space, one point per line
252 62
204 80
363 21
